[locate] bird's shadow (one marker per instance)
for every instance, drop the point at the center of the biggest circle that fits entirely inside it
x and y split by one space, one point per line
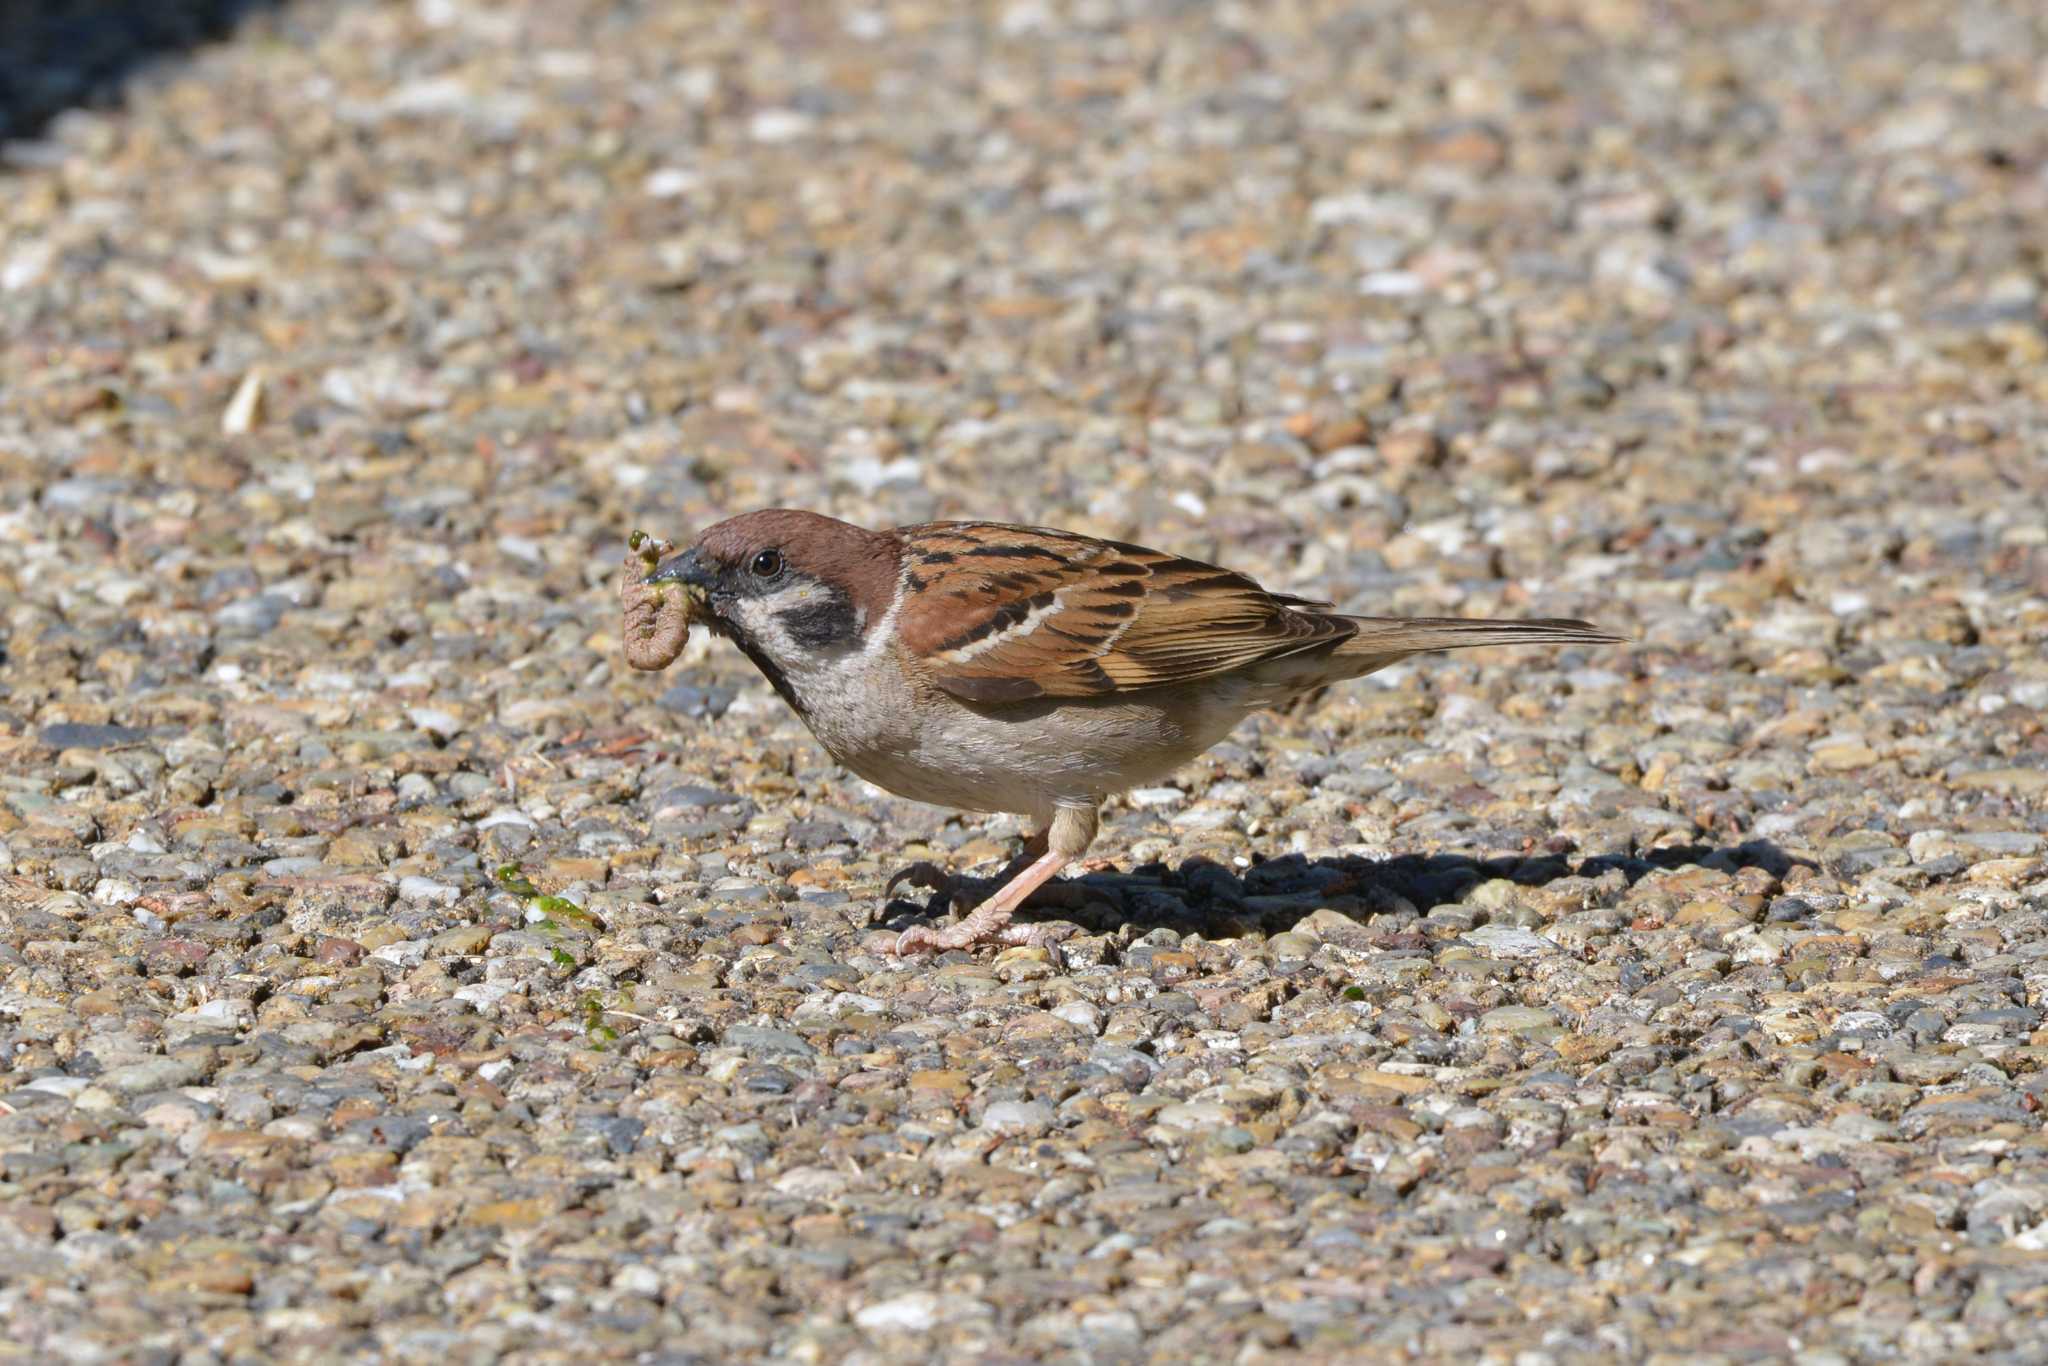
1201 896
58 56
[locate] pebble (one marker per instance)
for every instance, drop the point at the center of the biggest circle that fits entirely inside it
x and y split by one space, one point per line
1017 1117
225 1012
417 888
1083 1015
915 1312
1505 941
154 1074
86 736
1516 1019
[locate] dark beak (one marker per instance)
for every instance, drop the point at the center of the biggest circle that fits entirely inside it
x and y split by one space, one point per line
686 567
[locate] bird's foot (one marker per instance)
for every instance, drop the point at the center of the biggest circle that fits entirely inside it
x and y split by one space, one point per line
931 939
990 921
928 939
984 926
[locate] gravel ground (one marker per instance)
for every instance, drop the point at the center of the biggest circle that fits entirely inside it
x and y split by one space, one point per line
1677 1001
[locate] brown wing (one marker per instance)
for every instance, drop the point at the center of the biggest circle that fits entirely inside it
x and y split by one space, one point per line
1005 614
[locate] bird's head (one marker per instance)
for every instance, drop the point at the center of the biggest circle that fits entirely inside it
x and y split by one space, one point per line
791 587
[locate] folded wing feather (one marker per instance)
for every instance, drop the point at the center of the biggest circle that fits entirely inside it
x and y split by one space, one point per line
1005 614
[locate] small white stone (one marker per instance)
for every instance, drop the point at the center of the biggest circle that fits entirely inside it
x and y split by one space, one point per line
869 475
507 815
779 125
170 1117
915 1312
416 888
1507 941
521 548
119 590
405 953
1207 816
246 406
223 1012
1189 1115
114 891
1017 1117
1081 1014
670 182
485 996
643 1281
28 264
811 1183
439 720
1391 284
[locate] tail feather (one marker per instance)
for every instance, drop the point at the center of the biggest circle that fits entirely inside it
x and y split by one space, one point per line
1406 635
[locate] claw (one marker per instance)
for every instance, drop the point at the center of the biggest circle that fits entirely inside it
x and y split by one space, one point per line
990 921
927 939
918 939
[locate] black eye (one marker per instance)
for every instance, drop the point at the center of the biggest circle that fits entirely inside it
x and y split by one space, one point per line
766 565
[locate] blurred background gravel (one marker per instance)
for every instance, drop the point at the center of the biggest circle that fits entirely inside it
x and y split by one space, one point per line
1676 1001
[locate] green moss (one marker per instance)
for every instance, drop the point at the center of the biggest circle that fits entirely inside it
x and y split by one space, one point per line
553 909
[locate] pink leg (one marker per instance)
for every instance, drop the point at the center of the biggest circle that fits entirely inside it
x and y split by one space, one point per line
931 876
991 918
1071 832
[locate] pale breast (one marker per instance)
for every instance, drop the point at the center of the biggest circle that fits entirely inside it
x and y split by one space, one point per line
1032 757
1026 757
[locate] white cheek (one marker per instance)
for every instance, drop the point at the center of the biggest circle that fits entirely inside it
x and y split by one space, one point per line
761 618
757 617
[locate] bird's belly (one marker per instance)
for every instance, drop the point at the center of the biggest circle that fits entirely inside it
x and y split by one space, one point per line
1032 757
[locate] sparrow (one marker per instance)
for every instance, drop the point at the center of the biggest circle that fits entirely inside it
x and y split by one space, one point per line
992 667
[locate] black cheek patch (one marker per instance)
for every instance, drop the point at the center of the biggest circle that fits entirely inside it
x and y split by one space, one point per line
826 618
